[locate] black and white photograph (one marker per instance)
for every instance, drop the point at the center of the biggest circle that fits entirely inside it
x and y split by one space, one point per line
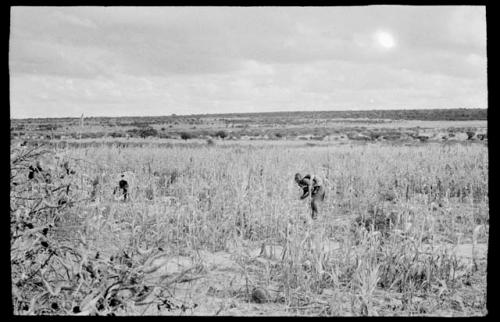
311 161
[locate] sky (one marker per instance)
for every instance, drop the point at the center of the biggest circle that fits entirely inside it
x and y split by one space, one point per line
151 61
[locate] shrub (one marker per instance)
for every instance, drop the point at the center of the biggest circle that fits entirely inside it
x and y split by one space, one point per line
221 134
147 132
143 132
34 249
186 135
482 136
423 138
116 134
48 127
140 124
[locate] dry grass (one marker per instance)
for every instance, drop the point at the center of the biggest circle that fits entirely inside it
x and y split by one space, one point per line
232 200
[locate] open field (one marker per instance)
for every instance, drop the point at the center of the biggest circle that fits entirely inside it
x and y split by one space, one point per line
353 179
216 228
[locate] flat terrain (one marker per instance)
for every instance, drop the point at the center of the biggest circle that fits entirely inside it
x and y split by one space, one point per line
420 125
213 224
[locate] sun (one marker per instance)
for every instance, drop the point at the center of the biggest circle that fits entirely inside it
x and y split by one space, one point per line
385 39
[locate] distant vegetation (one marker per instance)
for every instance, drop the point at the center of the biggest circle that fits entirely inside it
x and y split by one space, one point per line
458 114
370 125
461 114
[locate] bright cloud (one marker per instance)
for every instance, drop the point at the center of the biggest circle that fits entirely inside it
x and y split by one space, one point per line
65 61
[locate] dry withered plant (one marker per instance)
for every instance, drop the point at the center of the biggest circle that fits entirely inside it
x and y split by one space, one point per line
51 274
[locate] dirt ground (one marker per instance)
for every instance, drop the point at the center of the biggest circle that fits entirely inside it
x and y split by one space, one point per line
226 283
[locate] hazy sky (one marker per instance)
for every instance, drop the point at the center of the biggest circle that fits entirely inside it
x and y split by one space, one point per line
114 61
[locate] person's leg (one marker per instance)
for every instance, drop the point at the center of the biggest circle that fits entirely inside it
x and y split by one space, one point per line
314 208
318 196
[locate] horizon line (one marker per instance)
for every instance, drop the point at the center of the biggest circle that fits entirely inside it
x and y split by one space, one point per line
250 113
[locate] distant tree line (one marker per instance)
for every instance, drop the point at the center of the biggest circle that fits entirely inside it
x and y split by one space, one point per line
458 114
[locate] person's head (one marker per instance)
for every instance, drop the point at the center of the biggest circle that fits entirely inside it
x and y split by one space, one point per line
298 177
123 184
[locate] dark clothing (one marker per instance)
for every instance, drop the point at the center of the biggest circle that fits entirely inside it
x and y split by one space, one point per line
123 184
123 188
318 193
304 183
317 190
